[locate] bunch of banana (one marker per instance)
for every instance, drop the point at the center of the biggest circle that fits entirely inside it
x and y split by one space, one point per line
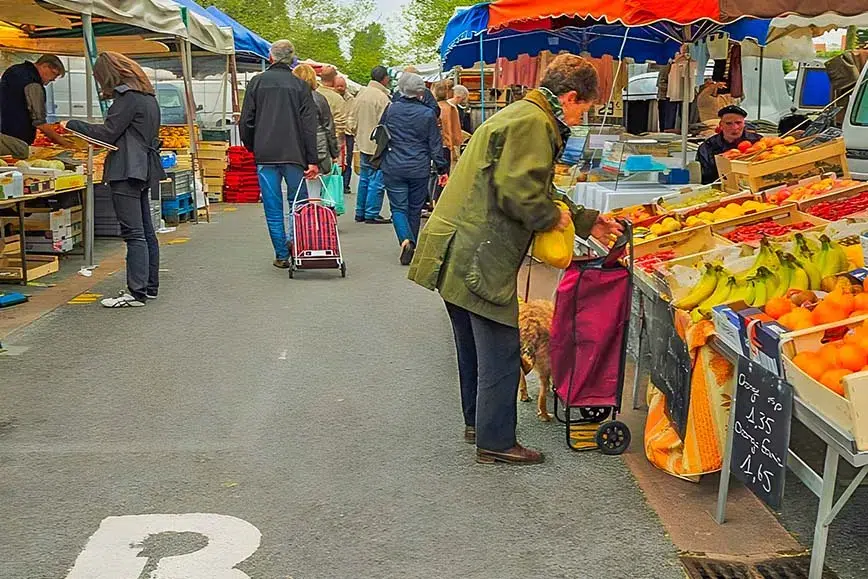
805 258
765 258
702 290
725 286
831 259
799 278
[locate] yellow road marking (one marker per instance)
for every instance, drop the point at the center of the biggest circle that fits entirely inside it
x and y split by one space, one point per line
85 298
178 241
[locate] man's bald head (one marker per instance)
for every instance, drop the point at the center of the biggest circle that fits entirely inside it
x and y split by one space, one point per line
327 75
341 85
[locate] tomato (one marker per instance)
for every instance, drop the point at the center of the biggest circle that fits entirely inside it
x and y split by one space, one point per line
744 146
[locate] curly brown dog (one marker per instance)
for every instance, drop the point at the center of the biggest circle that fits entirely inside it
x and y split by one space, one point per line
534 324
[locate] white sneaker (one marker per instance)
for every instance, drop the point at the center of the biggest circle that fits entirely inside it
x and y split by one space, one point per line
151 296
124 300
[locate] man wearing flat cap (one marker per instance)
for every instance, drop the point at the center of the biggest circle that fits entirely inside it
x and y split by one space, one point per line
22 99
730 132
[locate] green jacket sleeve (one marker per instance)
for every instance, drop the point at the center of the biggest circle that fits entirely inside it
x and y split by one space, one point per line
583 219
522 175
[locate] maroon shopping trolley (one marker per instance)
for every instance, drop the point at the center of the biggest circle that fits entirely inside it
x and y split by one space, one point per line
317 244
588 346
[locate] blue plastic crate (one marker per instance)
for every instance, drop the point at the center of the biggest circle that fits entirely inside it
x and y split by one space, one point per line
178 210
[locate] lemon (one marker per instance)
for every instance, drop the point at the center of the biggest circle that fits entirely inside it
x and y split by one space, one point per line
706 216
656 229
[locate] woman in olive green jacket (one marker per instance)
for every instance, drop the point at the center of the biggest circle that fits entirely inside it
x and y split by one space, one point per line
498 196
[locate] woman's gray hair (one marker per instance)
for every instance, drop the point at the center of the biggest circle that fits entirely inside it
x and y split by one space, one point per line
411 85
282 51
460 90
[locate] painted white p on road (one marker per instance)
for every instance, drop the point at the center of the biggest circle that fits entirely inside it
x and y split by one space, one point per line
114 551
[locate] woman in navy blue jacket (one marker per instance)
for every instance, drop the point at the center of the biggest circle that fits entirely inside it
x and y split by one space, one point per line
415 143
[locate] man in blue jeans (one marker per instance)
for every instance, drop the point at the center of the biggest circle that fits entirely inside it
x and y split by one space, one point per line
278 124
367 111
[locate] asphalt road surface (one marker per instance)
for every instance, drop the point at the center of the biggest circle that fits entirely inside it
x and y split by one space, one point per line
312 424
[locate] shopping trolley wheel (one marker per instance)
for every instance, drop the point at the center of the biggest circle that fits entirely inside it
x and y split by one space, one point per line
594 413
343 269
613 437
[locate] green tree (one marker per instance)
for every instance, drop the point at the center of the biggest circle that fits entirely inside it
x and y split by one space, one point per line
367 50
314 26
426 20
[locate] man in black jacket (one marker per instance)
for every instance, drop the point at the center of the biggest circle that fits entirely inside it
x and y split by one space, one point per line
22 99
278 125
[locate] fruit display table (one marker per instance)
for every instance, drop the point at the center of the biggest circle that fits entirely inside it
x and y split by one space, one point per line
839 445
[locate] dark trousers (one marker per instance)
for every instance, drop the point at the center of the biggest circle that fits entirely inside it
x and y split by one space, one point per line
348 169
489 368
406 199
133 209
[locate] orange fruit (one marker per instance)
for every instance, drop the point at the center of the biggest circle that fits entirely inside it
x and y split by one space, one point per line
829 354
811 364
777 307
833 380
860 302
802 318
852 357
826 313
865 284
841 300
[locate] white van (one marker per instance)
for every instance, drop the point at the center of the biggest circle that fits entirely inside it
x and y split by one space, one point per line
856 129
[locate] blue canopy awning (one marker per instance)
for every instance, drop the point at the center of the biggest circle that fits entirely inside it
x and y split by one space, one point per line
246 41
466 39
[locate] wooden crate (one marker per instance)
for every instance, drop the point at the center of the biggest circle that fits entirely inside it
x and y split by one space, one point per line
212 167
9 244
785 215
667 284
213 183
37 266
684 242
212 150
738 174
838 195
850 412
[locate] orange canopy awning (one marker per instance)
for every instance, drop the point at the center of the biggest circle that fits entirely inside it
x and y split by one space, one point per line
516 14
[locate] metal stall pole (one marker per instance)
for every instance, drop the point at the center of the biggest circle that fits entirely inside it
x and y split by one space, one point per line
685 111
89 57
759 102
482 76
186 70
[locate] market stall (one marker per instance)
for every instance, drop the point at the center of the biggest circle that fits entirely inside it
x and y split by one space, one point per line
752 304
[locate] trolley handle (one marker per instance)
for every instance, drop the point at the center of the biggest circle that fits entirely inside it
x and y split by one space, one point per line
621 245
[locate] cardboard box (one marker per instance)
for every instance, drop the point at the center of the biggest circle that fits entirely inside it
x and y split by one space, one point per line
727 324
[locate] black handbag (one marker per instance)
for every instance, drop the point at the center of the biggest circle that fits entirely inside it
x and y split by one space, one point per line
381 137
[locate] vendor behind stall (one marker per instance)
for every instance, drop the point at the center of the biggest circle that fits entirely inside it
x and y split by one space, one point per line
731 132
22 99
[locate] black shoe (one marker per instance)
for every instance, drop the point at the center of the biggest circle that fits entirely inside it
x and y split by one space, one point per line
378 221
407 251
360 219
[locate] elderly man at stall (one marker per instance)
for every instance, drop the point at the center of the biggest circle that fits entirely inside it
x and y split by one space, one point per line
349 131
499 195
328 76
22 99
731 131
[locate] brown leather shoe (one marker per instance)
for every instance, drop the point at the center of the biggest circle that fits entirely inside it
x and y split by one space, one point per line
515 455
470 434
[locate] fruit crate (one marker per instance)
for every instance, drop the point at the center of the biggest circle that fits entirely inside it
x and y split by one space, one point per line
178 210
667 283
756 176
714 201
832 196
850 412
652 211
783 215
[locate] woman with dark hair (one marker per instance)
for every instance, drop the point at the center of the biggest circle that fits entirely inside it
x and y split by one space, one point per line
498 196
133 126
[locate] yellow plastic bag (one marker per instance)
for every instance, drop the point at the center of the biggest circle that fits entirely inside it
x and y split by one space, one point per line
555 247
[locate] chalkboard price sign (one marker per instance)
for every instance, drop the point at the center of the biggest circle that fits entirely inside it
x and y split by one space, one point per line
760 435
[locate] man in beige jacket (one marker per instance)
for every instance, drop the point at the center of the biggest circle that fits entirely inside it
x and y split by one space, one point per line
367 110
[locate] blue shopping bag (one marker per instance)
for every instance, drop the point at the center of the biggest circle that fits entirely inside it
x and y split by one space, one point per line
333 189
